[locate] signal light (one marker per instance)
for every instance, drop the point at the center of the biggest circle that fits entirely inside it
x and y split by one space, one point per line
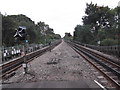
21 33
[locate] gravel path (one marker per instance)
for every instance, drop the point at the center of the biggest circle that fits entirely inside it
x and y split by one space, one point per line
61 64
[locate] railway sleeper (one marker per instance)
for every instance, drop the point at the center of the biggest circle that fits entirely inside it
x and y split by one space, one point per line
97 60
9 71
94 58
9 75
116 62
115 82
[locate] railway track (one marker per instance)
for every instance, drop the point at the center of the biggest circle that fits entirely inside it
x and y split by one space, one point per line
8 68
109 68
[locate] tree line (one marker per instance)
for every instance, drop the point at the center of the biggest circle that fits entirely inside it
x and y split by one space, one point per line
37 33
101 25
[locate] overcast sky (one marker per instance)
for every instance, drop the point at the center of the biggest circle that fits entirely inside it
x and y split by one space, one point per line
61 15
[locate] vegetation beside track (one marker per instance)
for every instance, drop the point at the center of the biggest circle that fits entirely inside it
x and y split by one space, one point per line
101 26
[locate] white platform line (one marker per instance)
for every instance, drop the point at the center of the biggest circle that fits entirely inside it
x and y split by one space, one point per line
100 85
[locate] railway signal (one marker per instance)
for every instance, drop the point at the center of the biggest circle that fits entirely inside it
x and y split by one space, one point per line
21 35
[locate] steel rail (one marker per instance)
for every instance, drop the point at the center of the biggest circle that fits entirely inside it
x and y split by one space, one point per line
11 66
117 64
116 84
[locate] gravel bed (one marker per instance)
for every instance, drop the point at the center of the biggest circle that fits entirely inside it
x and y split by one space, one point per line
61 64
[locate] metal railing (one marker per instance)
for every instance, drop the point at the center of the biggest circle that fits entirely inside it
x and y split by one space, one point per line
112 50
9 53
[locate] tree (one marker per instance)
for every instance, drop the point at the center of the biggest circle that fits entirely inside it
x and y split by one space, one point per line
98 17
57 36
83 34
8 30
67 36
37 33
103 23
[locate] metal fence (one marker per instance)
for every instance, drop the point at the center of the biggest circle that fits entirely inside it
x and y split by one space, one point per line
16 51
112 50
9 53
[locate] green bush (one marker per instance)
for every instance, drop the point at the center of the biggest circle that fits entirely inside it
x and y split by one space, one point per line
109 42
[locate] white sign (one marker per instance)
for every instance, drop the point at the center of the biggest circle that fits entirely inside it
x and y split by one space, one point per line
24 65
5 54
98 42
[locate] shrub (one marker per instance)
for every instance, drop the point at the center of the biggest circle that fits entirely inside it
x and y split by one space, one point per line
109 42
